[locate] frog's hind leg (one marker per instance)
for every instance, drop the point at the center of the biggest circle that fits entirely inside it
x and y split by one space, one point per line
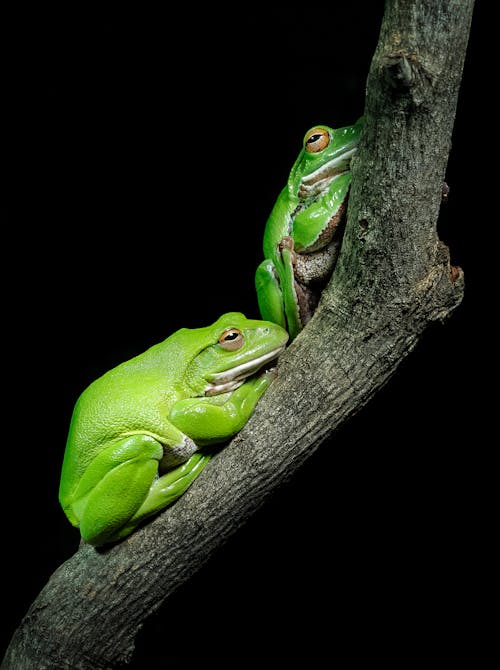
269 295
293 296
166 489
121 486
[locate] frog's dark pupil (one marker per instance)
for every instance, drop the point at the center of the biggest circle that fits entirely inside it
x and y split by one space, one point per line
313 138
231 336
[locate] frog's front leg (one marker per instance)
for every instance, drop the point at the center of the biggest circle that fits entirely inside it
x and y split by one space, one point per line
315 226
205 420
216 418
121 486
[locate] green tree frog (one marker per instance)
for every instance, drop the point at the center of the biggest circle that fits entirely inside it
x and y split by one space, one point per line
304 231
140 434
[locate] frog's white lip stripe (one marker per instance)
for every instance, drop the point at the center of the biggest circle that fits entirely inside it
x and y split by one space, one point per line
341 162
231 379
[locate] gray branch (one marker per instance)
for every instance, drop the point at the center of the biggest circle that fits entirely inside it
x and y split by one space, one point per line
392 280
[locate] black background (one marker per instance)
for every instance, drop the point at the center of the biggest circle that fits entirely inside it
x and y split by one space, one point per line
148 151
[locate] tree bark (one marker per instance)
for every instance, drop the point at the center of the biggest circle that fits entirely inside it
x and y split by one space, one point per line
392 280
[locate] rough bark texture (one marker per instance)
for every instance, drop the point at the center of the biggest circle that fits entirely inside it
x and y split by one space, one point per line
392 280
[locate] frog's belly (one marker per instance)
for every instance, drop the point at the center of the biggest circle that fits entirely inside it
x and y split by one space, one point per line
177 454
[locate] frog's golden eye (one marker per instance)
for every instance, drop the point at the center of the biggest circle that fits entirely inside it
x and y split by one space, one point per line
231 339
316 140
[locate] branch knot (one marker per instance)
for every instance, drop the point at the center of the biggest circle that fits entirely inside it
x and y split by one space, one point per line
398 69
406 74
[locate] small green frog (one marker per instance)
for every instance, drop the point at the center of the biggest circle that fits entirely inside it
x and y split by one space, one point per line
304 231
139 434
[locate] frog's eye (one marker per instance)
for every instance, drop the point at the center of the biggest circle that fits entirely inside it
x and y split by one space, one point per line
231 339
316 140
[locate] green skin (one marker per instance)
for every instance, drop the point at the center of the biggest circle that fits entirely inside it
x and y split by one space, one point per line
139 434
304 231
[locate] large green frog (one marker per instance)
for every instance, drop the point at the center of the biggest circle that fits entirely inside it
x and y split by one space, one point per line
139 434
304 231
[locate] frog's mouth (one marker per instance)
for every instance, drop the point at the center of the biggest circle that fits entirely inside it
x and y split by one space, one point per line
233 378
318 181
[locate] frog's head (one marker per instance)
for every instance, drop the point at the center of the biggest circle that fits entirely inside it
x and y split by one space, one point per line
327 152
231 350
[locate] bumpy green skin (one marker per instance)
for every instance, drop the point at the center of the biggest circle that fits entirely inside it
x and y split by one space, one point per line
139 434
297 224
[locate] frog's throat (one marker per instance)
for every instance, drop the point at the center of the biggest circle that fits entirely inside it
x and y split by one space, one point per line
321 178
230 380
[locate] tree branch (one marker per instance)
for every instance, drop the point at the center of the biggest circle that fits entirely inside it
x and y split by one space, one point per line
393 279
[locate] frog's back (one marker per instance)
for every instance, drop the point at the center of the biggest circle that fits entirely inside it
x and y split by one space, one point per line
134 396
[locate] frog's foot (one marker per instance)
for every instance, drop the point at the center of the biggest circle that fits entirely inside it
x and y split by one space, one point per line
286 244
286 248
269 371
